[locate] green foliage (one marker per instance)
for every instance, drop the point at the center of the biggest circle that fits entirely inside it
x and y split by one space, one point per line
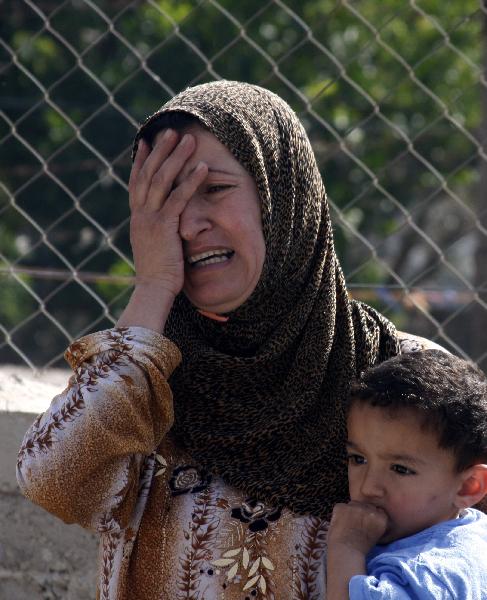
389 92
17 303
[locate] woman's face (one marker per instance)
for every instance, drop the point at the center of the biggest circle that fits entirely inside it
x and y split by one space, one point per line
221 229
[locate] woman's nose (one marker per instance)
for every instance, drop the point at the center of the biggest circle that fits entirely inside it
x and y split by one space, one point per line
194 219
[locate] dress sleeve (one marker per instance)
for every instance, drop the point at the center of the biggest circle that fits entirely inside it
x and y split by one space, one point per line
81 459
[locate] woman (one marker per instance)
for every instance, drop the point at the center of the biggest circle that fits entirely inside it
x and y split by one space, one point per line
209 458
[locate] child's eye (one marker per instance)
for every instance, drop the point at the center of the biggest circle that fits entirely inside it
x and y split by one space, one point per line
356 459
402 470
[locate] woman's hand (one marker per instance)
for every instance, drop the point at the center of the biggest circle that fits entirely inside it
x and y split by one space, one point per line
156 204
357 525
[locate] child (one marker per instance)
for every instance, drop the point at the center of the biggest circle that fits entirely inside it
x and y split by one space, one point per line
417 452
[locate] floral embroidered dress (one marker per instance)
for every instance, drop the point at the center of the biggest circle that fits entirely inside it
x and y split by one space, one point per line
101 456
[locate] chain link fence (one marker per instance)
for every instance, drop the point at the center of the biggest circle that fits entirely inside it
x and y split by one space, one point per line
392 94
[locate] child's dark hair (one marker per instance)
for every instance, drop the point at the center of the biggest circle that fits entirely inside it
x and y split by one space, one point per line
448 394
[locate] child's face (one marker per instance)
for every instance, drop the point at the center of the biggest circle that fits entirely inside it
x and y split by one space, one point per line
399 467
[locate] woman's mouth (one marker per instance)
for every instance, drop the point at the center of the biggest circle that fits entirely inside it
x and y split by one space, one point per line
211 257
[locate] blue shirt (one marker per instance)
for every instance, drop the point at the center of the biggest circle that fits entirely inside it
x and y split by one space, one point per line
447 561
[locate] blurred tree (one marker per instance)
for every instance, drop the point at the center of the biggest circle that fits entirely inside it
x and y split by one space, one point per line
478 320
388 91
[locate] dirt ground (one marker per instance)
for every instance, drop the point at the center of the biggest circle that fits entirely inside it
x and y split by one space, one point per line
41 558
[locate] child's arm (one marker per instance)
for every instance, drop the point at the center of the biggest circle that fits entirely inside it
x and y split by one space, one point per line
354 529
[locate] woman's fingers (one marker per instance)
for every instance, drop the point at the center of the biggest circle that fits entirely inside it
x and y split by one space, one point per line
143 152
180 196
154 172
163 178
148 162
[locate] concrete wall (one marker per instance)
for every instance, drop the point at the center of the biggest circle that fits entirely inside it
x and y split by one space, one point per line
41 558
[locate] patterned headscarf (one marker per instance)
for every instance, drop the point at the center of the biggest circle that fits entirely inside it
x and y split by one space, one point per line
259 399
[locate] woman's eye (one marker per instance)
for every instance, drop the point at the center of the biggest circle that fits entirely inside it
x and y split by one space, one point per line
214 189
402 470
356 459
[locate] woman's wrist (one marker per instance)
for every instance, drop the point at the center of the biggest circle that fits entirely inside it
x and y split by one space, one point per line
149 307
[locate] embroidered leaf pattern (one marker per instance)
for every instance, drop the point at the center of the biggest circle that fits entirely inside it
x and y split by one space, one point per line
245 558
202 536
252 558
251 582
260 566
267 563
310 560
254 567
231 553
230 557
232 572
161 465
223 562
146 476
109 546
44 436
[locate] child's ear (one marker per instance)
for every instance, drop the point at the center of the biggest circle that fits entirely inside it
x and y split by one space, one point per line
473 486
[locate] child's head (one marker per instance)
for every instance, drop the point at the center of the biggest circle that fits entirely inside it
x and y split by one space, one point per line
417 439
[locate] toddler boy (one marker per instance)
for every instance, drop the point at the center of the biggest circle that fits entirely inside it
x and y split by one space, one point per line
417 463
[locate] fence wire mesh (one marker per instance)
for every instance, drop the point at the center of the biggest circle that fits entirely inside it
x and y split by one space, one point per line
392 94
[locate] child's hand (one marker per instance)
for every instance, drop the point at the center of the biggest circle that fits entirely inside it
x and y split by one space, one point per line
357 525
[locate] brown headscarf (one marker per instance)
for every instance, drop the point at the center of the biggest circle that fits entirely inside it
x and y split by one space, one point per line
259 399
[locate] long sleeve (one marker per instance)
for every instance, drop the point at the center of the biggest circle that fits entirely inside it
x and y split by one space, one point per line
81 459
389 587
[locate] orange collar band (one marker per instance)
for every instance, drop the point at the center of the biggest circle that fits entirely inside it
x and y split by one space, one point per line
213 316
